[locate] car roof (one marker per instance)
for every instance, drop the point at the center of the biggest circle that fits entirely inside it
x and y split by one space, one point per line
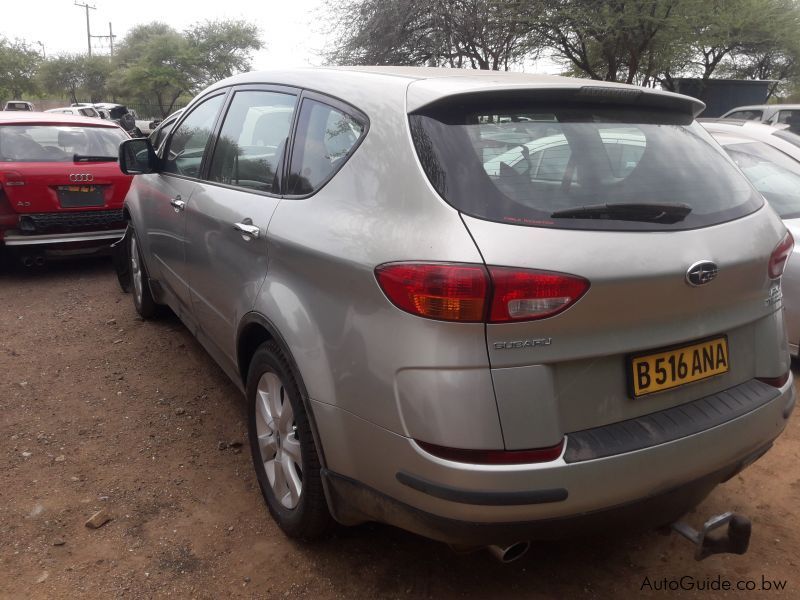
727 134
45 118
420 86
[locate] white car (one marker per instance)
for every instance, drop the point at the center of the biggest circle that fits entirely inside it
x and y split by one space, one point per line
770 158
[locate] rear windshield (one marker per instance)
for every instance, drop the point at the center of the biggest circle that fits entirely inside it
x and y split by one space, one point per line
55 143
773 173
580 167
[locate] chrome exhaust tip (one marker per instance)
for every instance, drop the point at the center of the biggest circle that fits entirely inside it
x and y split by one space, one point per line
27 261
508 554
39 261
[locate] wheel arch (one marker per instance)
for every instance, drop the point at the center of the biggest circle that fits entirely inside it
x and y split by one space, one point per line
254 330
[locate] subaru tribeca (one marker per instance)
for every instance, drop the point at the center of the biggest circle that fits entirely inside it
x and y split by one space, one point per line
483 307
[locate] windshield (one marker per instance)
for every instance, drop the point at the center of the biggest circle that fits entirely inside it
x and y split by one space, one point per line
773 173
57 143
579 167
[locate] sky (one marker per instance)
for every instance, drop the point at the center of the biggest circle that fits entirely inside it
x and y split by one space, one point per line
295 31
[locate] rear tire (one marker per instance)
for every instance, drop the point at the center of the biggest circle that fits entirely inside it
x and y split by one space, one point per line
282 446
143 300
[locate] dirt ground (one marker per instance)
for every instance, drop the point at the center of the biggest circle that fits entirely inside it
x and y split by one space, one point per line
100 410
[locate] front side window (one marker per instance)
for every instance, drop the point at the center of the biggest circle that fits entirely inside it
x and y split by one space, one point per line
579 167
773 173
786 117
188 142
253 139
325 138
57 143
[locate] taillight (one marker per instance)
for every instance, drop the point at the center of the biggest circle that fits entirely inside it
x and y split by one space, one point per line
447 292
468 293
779 256
494 457
777 382
526 295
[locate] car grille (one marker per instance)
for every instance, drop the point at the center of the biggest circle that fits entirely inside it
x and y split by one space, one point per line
96 219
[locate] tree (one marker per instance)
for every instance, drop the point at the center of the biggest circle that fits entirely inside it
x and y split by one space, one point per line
154 63
484 34
78 76
221 49
62 75
18 65
157 64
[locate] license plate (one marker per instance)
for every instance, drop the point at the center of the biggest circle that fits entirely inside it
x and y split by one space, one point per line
77 196
671 368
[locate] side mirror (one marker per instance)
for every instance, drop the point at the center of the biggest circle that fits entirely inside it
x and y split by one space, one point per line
137 157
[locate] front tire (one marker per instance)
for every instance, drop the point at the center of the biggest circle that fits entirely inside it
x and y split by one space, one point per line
140 287
282 446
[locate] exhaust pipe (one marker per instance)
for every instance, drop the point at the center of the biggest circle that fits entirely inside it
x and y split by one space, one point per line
27 261
508 554
39 261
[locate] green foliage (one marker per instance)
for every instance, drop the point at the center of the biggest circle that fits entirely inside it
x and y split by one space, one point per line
80 77
157 64
18 65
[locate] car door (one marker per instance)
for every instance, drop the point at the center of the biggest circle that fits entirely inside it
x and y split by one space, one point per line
229 212
164 196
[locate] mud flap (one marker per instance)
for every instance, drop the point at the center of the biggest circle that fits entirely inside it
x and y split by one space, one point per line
121 259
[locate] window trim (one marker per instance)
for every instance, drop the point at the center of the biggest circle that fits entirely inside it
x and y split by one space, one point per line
343 107
281 171
214 130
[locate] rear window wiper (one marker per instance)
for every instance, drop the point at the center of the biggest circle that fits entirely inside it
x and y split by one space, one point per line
92 158
650 213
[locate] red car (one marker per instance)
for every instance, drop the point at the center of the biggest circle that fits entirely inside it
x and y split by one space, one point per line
61 190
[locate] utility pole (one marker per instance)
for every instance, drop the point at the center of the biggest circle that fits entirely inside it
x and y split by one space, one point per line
44 54
87 6
110 37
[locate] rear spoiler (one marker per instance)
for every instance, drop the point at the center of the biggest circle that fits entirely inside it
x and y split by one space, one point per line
424 93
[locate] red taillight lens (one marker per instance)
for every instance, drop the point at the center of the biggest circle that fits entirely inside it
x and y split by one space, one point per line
777 382
447 292
525 295
494 457
779 256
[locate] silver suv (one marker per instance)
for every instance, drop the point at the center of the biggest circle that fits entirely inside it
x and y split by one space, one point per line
483 307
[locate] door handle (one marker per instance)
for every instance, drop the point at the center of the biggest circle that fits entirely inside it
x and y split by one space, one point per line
247 229
178 204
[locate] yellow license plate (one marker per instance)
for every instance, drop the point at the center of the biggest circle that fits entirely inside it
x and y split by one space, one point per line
678 366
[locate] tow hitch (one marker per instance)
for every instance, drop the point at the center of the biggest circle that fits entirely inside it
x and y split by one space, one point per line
734 541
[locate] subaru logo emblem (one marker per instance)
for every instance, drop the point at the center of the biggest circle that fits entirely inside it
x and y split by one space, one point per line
701 273
81 177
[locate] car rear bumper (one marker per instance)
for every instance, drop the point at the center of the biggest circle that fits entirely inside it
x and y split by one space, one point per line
13 238
398 483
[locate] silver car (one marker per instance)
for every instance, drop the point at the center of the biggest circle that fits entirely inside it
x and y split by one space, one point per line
483 307
770 158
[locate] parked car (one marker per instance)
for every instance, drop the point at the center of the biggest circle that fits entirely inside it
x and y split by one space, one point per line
442 324
120 115
83 111
771 160
774 114
18 105
61 189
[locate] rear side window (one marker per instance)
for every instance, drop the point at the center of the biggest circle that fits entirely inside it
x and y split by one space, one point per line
579 167
188 142
773 173
747 115
54 143
325 138
253 140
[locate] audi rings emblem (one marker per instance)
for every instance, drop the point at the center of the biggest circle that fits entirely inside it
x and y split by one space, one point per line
81 177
